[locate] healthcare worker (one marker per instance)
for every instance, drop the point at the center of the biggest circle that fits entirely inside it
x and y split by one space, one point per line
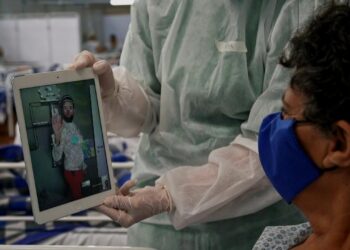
192 80
305 149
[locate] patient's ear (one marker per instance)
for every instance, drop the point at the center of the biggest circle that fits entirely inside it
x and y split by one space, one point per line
338 154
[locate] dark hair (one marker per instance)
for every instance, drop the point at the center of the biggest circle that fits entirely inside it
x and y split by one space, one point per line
320 55
64 99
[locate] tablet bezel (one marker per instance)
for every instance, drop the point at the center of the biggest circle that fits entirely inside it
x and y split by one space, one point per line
55 78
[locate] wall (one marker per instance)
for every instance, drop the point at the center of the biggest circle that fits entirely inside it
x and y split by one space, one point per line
92 15
40 39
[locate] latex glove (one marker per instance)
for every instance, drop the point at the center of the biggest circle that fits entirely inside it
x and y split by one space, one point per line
101 68
124 102
129 207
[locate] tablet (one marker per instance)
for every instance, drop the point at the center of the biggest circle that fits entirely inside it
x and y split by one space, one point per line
64 142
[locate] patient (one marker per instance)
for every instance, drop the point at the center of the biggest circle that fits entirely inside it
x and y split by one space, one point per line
305 149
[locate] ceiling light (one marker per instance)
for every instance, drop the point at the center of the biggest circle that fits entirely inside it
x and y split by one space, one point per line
121 2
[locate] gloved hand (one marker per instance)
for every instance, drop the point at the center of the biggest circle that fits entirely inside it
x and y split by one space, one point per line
129 207
101 68
125 104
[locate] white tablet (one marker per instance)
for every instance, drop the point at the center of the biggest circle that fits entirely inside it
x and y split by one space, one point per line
64 142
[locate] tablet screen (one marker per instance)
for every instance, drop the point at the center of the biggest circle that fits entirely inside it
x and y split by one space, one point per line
66 142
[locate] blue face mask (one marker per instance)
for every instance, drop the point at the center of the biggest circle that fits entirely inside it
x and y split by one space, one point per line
285 163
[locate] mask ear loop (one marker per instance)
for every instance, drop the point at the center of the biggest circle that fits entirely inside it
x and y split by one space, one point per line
332 132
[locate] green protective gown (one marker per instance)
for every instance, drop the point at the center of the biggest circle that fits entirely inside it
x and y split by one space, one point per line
199 95
203 64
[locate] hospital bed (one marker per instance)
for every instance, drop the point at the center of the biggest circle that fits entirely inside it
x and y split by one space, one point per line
46 247
17 224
